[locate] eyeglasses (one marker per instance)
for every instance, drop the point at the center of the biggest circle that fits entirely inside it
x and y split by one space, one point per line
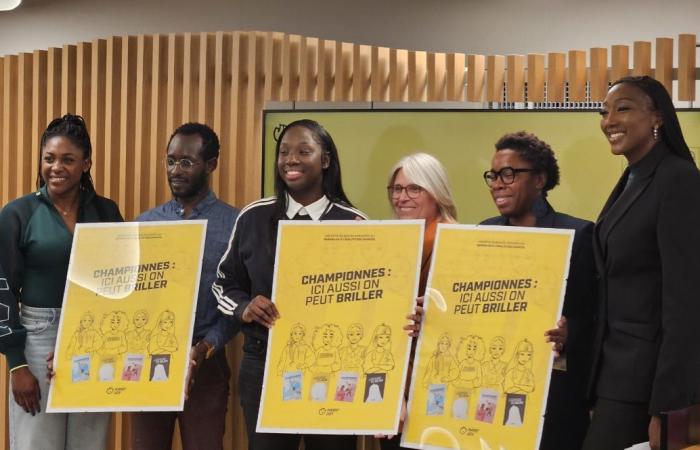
412 190
184 164
506 174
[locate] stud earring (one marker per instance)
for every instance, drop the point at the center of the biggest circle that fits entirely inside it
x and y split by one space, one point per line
656 133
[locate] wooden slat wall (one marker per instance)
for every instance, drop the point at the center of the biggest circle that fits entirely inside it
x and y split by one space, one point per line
134 90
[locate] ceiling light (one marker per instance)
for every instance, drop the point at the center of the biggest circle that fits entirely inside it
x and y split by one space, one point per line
7 5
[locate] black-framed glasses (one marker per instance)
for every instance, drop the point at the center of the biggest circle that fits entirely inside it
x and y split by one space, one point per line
412 190
184 163
506 174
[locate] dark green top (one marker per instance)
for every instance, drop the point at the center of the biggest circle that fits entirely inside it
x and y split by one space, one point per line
35 249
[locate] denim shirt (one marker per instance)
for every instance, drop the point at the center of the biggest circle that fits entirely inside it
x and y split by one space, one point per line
220 216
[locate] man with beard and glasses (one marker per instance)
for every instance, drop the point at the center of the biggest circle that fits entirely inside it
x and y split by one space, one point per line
193 152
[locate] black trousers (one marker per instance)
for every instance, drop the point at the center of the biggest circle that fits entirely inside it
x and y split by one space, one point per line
617 425
250 385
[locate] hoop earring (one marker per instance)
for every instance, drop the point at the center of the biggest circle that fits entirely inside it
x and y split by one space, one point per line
656 133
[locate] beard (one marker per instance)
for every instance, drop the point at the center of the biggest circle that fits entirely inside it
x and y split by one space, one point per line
195 186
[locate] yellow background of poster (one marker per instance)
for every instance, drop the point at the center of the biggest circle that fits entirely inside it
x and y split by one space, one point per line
467 363
300 365
115 317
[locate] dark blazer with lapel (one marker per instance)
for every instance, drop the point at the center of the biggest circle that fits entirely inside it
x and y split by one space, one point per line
647 249
568 389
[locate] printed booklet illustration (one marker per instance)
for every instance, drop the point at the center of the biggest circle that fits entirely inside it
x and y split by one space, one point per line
482 366
337 357
127 318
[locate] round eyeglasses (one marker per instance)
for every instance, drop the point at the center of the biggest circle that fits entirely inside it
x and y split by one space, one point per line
412 190
506 174
184 164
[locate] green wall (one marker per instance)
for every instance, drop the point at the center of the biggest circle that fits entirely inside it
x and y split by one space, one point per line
370 143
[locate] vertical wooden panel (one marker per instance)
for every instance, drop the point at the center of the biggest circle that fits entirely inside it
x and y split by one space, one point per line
23 158
112 109
599 73
238 65
398 75
456 76
556 76
38 107
476 76
343 72
686 67
4 197
254 105
190 77
68 70
326 69
577 75
361 67
620 58
96 126
417 76
642 58
308 69
126 127
205 100
290 67
83 80
535 78
176 81
664 63
495 76
9 134
273 65
380 74
157 131
437 77
221 92
53 84
143 102
515 86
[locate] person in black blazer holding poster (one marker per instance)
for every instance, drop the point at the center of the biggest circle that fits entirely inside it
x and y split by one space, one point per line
647 249
523 170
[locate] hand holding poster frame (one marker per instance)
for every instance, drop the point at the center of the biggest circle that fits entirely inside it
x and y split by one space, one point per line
128 312
337 357
482 366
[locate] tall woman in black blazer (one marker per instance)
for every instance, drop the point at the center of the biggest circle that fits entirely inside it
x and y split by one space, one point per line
647 249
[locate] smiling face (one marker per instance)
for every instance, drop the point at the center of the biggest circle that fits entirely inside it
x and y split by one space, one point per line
190 182
86 321
444 344
166 323
328 335
115 322
300 163
515 200
423 206
354 334
383 339
297 334
62 166
140 320
496 349
628 120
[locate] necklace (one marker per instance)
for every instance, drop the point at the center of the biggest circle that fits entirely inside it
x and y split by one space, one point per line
66 211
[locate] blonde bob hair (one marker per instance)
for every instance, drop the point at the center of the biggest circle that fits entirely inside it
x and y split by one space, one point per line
427 172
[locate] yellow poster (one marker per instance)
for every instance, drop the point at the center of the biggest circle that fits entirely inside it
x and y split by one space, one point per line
337 358
128 311
481 374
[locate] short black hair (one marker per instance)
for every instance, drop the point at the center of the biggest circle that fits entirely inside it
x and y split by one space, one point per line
536 151
210 141
73 128
670 130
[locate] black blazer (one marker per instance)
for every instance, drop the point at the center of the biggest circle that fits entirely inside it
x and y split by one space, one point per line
568 389
647 250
